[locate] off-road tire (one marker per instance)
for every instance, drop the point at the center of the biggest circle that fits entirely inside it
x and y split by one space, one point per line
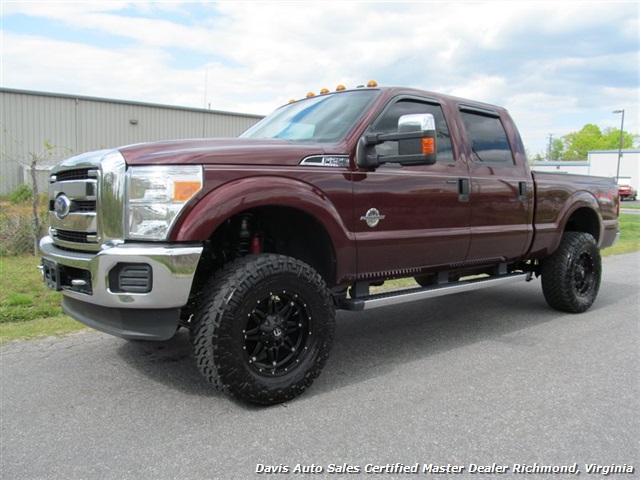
571 275
263 328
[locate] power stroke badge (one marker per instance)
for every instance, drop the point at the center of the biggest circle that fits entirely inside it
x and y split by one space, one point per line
372 217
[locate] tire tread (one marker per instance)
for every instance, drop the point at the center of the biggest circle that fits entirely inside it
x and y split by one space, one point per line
217 304
557 284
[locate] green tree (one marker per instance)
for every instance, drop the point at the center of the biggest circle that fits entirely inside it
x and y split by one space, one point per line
33 160
556 150
576 145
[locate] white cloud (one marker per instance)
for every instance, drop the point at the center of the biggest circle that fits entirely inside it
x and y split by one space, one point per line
557 63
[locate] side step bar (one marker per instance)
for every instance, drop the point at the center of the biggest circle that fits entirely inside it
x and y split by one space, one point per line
385 299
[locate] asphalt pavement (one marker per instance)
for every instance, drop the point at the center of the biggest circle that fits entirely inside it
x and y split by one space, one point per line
630 207
481 378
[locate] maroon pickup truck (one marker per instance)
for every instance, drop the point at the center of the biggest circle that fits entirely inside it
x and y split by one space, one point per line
253 243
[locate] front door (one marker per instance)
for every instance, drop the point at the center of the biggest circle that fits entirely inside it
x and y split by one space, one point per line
410 217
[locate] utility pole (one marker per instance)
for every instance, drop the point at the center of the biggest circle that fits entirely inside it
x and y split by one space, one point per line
620 146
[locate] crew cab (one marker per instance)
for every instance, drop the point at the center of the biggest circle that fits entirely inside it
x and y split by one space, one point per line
253 243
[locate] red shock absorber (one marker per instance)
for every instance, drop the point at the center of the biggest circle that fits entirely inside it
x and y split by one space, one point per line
256 245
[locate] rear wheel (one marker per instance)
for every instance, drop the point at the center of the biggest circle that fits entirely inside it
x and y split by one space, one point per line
264 328
571 275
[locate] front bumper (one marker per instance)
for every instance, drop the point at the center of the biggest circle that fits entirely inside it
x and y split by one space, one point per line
86 280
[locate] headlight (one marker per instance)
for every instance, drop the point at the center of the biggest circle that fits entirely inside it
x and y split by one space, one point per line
155 197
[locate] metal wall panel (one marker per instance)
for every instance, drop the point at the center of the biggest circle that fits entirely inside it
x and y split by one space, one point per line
74 125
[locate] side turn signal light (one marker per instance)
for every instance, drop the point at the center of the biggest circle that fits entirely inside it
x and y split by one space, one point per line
428 146
183 190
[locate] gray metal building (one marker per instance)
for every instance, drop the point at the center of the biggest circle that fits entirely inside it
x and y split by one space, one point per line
52 127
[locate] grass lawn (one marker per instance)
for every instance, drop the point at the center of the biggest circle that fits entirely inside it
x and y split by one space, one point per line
29 310
629 237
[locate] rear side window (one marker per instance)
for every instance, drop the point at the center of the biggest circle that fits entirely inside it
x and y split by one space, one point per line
488 139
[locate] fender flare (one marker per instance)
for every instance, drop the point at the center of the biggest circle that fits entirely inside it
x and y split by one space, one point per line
577 201
223 202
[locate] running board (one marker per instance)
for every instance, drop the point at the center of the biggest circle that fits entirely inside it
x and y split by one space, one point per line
409 295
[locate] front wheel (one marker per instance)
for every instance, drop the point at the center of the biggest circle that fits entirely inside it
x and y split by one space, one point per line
571 275
264 328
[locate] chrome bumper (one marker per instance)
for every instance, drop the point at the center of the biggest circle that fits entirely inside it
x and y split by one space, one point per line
172 267
88 297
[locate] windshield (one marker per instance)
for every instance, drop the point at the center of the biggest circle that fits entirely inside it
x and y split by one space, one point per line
325 118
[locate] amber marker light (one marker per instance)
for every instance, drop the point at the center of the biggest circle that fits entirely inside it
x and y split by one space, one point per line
311 94
341 87
428 146
293 100
184 190
324 90
372 83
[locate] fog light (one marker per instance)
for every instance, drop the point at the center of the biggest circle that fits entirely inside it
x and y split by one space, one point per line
131 278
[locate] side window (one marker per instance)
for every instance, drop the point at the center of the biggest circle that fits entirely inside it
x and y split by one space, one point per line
488 139
388 123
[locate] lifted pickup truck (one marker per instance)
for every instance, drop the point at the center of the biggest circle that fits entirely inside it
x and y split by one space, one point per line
253 243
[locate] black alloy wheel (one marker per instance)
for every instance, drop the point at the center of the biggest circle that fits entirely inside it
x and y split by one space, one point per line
277 334
571 275
263 329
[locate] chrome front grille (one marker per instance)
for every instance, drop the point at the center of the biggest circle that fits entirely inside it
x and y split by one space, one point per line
73 221
83 206
74 237
77 189
77 174
77 206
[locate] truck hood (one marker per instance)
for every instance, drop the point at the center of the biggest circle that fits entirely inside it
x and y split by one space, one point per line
239 151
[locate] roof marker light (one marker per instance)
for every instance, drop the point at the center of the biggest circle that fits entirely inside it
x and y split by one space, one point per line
324 90
340 87
372 83
311 94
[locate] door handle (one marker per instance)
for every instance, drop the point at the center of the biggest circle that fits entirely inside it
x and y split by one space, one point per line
522 191
463 189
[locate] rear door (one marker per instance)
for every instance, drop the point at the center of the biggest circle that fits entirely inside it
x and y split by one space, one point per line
501 197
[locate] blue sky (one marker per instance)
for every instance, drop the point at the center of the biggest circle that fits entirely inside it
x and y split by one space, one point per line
555 65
